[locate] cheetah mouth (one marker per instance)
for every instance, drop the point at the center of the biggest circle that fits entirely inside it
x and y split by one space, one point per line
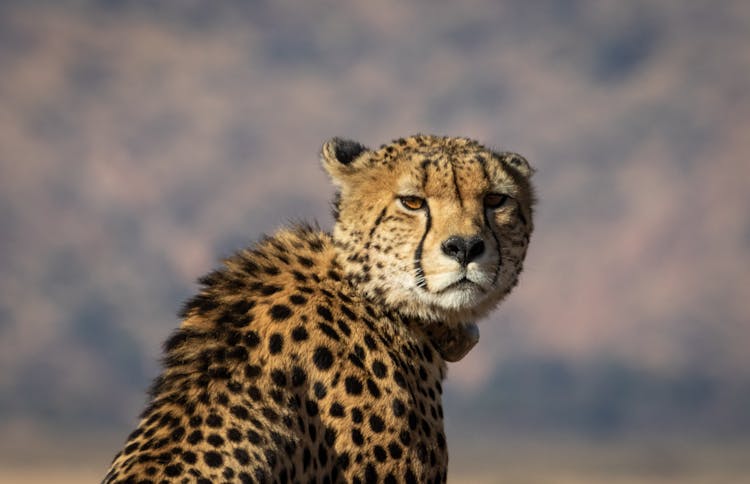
462 284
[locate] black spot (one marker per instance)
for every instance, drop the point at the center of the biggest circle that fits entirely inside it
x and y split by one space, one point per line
279 378
330 436
398 407
441 440
252 371
342 460
173 470
376 424
242 307
325 313
215 440
320 390
427 353
409 477
298 376
249 266
344 327
356 415
195 437
271 270
305 261
399 379
356 360
370 342
297 299
178 434
371 475
254 393
413 421
311 407
269 414
275 343
316 245
322 358
336 410
237 353
328 331
189 457
269 289
348 313
213 459
353 385
219 373
426 428
322 454
359 351
357 437
260 475
254 437
179 337
422 452
379 369
379 453
251 339
270 457
240 412
299 334
234 435
279 312
372 387
395 450
214 421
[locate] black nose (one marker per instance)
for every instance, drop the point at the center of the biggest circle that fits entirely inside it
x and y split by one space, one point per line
462 249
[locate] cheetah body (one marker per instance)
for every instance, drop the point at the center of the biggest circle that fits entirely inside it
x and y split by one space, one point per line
314 357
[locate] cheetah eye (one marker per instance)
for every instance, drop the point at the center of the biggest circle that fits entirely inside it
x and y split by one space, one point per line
495 200
412 203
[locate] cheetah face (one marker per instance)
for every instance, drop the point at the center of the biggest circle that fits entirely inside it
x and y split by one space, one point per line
432 227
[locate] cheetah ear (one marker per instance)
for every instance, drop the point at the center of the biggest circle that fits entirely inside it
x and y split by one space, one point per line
340 156
517 162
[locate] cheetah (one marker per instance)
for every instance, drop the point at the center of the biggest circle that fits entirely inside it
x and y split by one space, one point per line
319 357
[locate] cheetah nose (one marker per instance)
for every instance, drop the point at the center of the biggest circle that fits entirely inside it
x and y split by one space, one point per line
464 250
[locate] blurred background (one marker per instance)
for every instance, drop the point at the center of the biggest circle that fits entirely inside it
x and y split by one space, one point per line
142 141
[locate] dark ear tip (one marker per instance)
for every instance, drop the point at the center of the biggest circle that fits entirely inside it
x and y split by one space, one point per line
518 162
347 151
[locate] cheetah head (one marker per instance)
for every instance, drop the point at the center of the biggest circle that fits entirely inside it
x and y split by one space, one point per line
435 228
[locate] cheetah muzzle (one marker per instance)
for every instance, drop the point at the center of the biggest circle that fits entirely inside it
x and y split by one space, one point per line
317 357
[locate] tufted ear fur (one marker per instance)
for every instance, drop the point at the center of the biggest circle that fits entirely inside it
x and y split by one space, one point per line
517 162
340 158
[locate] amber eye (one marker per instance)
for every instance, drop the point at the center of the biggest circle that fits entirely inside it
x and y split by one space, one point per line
495 200
412 203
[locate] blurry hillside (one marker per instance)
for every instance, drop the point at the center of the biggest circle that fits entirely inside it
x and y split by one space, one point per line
141 141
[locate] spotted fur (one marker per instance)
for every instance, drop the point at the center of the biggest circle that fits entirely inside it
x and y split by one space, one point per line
319 358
